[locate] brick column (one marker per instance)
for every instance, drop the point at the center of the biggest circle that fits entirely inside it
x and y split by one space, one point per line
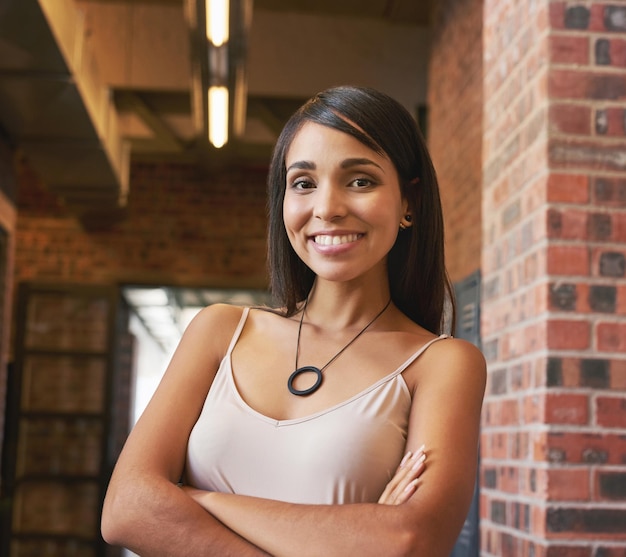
554 268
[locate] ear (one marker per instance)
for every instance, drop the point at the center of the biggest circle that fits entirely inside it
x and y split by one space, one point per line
407 218
405 206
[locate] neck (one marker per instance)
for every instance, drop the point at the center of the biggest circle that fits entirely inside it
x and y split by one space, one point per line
340 308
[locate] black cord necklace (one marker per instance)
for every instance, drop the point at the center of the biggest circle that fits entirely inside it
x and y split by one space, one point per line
317 371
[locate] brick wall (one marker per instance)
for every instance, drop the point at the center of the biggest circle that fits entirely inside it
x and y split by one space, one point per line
181 227
554 304
455 112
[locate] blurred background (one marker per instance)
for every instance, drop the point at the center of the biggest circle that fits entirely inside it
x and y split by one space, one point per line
135 137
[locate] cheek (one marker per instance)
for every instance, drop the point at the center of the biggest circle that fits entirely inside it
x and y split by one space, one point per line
290 220
293 214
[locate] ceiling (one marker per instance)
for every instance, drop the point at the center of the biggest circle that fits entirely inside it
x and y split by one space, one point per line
87 86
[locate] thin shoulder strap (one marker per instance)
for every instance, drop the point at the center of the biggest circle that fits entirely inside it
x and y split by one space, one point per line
419 352
237 333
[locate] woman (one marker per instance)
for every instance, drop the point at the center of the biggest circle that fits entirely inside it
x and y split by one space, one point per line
290 426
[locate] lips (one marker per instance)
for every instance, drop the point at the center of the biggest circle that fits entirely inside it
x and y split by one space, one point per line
335 240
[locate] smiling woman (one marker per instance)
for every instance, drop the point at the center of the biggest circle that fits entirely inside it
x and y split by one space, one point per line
343 421
342 203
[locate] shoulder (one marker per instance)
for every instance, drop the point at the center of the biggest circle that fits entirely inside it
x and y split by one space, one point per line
454 362
457 351
217 323
219 318
213 327
221 315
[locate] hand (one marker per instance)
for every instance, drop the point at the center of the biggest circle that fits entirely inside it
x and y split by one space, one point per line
405 480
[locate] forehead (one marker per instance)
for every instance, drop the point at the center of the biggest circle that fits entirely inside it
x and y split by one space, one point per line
314 140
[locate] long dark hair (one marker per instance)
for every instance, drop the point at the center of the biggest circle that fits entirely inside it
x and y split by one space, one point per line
418 279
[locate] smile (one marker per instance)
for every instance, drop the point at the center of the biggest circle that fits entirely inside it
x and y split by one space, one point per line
326 240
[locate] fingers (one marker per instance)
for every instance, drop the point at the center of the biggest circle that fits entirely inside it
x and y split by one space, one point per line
405 480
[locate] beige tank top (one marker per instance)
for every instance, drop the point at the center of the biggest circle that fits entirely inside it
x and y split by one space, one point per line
344 454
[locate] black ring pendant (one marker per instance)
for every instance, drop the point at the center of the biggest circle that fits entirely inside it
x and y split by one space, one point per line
300 371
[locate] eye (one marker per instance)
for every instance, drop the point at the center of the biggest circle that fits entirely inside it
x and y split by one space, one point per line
362 183
301 184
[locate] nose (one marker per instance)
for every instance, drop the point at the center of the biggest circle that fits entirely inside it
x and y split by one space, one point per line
330 202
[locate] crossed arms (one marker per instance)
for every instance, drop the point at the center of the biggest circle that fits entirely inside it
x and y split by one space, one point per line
420 513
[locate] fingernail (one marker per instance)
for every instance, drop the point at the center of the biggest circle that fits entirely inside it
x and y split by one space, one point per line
419 453
405 458
411 486
418 462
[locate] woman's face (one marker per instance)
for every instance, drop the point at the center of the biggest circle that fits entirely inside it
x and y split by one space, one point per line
342 205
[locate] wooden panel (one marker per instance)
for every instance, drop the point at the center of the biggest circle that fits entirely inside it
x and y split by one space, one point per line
59 446
61 321
63 384
50 507
60 423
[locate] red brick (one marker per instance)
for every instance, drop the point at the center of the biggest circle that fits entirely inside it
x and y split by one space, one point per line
55 246
586 523
557 15
495 445
568 49
568 335
615 122
538 520
610 411
610 484
508 479
598 15
576 84
608 261
618 228
610 550
568 484
535 482
520 445
571 372
568 260
509 412
609 192
582 154
567 84
533 408
566 409
568 188
618 375
618 52
583 448
611 337
568 224
570 119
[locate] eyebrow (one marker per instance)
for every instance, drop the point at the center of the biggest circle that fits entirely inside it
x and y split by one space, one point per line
304 165
347 163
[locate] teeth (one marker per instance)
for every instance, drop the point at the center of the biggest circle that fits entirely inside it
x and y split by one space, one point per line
324 240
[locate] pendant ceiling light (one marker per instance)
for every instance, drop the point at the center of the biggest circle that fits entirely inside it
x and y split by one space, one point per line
219 30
